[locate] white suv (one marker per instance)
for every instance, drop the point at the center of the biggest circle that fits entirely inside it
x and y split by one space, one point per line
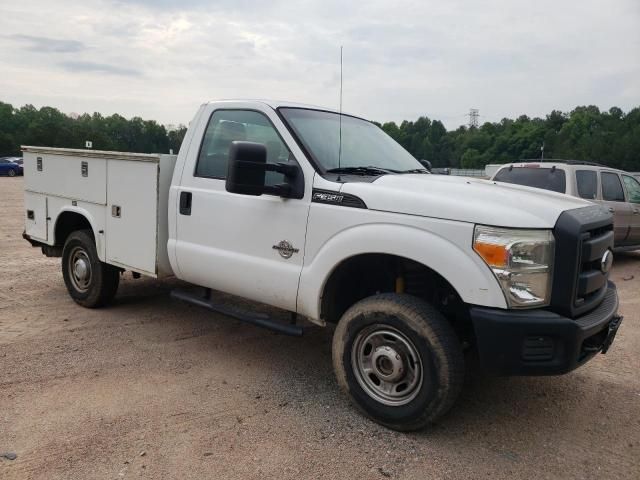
617 189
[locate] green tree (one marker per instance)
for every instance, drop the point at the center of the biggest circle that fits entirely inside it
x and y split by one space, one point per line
610 137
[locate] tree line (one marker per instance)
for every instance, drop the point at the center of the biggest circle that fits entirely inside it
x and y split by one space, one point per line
609 137
50 127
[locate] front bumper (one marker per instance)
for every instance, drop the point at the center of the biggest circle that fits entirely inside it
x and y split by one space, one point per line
540 342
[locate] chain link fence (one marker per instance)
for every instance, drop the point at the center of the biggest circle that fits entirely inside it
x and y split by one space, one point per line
460 172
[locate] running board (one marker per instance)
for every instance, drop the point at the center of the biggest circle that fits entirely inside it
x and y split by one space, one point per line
255 318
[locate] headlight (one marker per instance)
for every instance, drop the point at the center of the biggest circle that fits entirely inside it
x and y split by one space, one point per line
521 260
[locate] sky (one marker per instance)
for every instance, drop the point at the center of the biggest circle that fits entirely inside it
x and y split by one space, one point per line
402 59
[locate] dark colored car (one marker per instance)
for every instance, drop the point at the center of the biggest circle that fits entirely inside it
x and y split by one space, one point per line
11 166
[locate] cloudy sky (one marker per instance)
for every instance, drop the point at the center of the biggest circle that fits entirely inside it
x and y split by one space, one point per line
402 59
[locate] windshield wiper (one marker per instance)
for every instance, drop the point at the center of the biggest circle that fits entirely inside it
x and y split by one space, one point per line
415 170
371 170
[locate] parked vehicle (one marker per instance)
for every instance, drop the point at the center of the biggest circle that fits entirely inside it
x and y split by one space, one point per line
270 202
491 169
10 166
617 190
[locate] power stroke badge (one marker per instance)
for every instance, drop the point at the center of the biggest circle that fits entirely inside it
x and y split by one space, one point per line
285 249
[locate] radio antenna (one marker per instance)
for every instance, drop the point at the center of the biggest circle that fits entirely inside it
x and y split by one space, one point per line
340 110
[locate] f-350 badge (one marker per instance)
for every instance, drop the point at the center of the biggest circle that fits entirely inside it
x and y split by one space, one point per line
285 249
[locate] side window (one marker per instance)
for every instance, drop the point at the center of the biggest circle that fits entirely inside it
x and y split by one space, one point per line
587 181
226 126
633 188
611 187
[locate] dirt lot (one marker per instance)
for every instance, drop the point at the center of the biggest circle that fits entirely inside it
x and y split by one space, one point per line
153 388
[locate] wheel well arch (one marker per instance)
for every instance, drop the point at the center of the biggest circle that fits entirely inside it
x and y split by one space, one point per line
69 222
363 275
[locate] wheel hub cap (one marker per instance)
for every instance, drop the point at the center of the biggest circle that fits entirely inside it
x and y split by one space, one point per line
80 269
387 365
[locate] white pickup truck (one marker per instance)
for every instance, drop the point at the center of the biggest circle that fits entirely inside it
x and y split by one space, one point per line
325 216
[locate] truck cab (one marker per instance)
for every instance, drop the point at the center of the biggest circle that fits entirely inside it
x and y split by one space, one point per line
321 214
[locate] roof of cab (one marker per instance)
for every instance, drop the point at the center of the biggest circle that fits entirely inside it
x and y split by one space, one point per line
282 103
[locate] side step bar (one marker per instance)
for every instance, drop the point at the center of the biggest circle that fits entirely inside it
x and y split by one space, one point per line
255 318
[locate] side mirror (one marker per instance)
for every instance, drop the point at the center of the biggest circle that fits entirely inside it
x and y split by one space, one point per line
246 168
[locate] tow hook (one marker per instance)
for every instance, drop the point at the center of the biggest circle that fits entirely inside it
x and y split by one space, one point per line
614 324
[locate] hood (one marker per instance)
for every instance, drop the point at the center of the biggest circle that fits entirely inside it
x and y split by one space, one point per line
464 199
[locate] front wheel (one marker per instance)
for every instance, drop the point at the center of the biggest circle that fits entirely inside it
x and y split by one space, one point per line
90 282
399 360
12 172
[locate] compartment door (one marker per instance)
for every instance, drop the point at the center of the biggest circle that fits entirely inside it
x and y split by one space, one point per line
131 223
35 215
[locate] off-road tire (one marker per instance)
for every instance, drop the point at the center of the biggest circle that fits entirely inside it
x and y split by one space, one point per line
104 278
433 339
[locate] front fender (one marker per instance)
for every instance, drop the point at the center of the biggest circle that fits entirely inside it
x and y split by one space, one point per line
448 252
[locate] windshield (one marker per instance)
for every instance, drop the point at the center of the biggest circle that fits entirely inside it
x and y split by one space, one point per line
547 178
363 143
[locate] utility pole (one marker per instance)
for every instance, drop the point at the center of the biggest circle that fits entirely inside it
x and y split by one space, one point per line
474 113
542 152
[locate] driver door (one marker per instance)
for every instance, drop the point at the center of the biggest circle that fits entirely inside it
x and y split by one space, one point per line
250 246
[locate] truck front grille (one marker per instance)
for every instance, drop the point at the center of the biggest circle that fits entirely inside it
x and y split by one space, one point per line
582 237
592 281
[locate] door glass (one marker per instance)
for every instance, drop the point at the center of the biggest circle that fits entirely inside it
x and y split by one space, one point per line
633 188
587 181
611 187
226 126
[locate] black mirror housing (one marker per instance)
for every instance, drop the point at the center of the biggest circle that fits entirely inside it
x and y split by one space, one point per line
246 168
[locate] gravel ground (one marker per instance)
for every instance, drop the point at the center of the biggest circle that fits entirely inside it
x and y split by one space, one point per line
152 388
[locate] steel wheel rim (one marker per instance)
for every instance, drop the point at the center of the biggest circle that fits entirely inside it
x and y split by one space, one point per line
79 268
387 365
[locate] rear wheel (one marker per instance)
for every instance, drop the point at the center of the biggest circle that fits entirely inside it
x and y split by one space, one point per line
399 360
90 282
12 172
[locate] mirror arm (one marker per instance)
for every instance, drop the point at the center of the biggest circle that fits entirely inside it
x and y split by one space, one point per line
288 169
280 190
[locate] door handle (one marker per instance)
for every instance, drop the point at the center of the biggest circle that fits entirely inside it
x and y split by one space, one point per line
185 203
611 209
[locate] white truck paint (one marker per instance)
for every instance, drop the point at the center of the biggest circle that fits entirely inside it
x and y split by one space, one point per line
502 268
93 184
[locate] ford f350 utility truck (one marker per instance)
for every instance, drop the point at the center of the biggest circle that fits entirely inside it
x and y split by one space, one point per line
323 215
